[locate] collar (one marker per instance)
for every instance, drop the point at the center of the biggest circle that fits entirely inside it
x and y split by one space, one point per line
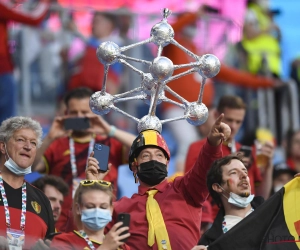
160 187
76 139
78 234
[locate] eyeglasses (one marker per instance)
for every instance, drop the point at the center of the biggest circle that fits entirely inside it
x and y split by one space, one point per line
92 182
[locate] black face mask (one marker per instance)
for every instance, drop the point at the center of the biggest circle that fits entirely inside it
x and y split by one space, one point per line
152 172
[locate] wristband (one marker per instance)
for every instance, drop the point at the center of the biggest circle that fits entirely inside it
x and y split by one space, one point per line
112 131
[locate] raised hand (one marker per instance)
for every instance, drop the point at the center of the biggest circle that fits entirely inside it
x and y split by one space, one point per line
98 125
219 132
57 128
92 171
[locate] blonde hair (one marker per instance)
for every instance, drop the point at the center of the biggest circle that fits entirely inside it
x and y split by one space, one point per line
77 201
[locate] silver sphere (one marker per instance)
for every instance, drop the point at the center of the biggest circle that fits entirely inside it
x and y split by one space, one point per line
147 83
162 68
108 53
149 122
196 113
101 104
209 66
162 33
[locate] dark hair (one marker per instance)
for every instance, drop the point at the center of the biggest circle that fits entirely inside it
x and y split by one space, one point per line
108 15
215 175
231 102
54 181
77 93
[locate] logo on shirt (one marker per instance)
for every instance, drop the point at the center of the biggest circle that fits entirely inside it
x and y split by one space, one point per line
36 206
67 152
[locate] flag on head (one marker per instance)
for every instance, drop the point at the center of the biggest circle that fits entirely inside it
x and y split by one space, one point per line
275 225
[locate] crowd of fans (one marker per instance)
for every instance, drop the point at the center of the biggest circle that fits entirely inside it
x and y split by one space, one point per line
221 177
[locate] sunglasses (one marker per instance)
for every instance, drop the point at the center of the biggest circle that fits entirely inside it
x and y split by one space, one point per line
92 182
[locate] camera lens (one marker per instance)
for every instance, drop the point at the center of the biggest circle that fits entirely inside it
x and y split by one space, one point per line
98 147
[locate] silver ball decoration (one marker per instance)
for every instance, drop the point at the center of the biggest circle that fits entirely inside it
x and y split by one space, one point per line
149 122
108 53
162 68
209 66
196 113
148 83
162 33
100 103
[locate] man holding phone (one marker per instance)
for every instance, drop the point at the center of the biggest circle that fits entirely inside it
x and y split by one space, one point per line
71 140
234 110
166 215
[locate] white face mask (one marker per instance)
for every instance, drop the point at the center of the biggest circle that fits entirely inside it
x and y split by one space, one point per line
14 168
238 200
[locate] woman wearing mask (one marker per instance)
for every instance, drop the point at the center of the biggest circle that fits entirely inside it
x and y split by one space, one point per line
92 210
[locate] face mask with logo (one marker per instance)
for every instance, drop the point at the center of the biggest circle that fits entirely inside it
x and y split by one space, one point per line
95 218
238 200
14 168
152 172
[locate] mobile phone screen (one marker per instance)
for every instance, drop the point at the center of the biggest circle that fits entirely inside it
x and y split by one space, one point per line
76 123
125 218
246 150
101 153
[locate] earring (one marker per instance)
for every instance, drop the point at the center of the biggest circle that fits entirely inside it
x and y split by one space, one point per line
135 178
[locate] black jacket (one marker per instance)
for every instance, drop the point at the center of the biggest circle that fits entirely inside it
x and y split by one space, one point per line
216 229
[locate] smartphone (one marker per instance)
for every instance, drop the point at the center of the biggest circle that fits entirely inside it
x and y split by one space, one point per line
247 150
101 153
76 123
125 218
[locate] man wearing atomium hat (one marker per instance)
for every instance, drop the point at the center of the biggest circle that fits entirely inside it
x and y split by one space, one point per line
164 215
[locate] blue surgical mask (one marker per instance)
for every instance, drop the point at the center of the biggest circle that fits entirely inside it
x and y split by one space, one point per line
240 201
14 168
95 218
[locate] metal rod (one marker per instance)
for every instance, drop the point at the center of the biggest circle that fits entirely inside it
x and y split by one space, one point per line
124 113
172 92
149 40
154 98
173 119
141 73
160 48
128 92
138 97
190 71
201 91
134 59
190 53
106 68
192 64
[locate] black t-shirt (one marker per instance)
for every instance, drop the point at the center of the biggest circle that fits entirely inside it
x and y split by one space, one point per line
39 217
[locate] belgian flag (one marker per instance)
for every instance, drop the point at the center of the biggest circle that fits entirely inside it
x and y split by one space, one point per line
275 225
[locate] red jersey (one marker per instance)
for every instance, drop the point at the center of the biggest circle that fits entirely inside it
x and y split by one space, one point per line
180 202
253 171
74 241
9 14
38 210
57 161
